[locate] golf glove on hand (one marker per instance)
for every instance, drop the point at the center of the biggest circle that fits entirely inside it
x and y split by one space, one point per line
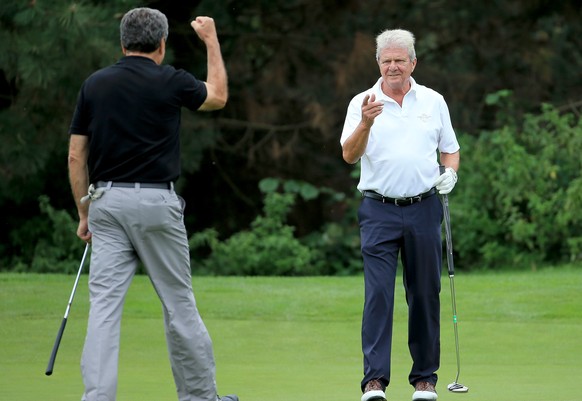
446 181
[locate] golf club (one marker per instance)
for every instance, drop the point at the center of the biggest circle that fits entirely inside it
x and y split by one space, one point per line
454 387
51 363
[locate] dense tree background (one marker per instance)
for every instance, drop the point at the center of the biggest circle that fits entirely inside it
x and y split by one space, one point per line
293 67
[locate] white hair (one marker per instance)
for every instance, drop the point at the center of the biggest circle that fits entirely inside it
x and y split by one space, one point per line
396 38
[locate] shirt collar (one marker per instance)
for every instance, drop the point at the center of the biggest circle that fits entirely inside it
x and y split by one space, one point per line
380 95
137 59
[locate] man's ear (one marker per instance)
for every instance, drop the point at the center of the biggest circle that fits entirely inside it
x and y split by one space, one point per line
123 50
160 52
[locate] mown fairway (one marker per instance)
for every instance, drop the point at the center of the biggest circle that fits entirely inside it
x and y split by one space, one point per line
297 339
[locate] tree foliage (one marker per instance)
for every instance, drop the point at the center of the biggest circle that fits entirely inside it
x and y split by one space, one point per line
268 248
48 49
519 196
293 67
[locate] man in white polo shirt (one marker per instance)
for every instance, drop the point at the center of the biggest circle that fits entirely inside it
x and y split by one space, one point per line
400 131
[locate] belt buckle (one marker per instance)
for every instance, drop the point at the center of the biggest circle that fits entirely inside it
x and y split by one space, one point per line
408 201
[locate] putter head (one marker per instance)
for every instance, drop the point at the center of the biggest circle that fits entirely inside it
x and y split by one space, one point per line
457 388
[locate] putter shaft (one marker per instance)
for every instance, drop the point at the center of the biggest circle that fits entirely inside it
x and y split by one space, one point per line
454 387
51 363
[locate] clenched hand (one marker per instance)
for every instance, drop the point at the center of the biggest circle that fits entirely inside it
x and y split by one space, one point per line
204 28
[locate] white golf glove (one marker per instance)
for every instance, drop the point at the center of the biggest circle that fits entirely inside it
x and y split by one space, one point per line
93 193
446 181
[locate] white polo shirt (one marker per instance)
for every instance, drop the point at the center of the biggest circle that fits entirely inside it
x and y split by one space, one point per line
400 159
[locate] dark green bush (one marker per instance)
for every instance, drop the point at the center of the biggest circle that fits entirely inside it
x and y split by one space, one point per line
50 244
519 195
268 248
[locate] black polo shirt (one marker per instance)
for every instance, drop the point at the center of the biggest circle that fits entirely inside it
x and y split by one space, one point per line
131 113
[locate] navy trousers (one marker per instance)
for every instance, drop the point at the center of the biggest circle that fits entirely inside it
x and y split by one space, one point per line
414 232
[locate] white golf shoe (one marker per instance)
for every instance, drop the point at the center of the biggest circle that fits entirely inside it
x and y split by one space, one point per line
374 391
425 391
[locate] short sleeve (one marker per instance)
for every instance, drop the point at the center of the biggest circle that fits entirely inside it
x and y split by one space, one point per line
194 91
353 118
80 121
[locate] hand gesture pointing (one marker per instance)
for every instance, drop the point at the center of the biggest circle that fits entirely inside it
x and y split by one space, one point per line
370 110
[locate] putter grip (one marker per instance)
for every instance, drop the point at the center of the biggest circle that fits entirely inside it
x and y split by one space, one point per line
442 169
51 363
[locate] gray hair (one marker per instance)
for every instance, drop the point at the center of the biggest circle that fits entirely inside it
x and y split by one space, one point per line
142 29
396 38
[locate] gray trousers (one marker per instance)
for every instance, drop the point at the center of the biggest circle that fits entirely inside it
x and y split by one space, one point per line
128 225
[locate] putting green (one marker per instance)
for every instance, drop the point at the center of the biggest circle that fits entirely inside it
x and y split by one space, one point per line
297 339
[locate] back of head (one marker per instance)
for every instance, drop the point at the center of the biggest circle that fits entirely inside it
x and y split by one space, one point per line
142 30
398 38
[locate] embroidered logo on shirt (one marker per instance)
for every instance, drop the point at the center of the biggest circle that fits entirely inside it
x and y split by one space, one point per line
424 117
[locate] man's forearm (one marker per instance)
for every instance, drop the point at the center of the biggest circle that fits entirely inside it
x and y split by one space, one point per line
217 76
451 160
355 146
79 183
78 174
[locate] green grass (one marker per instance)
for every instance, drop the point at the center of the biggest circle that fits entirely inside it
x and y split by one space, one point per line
298 339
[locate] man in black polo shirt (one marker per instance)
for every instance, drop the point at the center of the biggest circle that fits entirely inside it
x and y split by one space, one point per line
124 147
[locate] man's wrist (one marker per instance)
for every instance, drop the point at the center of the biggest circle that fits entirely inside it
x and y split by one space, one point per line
453 173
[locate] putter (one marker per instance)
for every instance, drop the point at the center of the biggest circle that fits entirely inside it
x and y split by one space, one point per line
454 387
51 363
